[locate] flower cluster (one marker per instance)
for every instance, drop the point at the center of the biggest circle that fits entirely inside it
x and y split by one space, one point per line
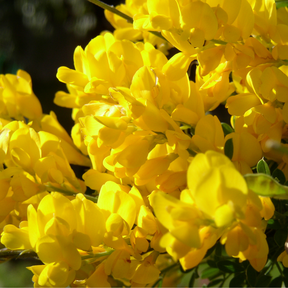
168 179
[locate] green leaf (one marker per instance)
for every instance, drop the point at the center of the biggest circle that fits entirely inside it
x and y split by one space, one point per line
194 276
227 129
210 273
238 280
272 224
210 251
280 237
279 175
218 250
228 148
262 167
229 266
158 283
251 275
214 283
285 278
264 281
281 3
212 263
276 282
265 185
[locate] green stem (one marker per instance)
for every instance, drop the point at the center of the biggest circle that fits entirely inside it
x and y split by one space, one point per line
111 9
218 42
169 267
6 254
69 193
162 274
156 283
119 13
277 147
279 268
98 255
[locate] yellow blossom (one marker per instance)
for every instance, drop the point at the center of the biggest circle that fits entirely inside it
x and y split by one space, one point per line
217 188
17 98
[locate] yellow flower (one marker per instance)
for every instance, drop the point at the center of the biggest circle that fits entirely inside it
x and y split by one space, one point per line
208 135
16 238
214 87
192 20
283 257
85 211
146 272
191 110
52 275
50 124
257 252
208 237
113 198
265 16
217 188
17 98
23 186
138 240
119 210
118 60
269 84
244 158
98 278
25 148
237 105
237 239
180 219
120 265
162 16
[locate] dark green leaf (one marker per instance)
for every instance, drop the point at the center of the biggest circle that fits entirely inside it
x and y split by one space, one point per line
214 283
265 185
251 275
228 148
276 282
218 249
229 266
285 279
262 167
264 281
212 263
209 252
273 224
279 176
194 276
210 273
280 237
227 129
238 280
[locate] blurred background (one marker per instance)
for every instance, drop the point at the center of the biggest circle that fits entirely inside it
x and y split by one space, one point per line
39 36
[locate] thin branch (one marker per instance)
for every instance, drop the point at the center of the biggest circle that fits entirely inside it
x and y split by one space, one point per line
111 9
7 254
119 13
70 193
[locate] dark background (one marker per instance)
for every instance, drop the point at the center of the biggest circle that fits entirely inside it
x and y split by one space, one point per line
39 36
